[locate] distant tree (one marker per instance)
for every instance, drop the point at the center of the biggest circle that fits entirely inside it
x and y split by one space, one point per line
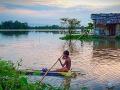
55 27
6 25
88 28
19 25
13 25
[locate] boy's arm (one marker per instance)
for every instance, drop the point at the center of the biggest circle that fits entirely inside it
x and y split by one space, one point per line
61 63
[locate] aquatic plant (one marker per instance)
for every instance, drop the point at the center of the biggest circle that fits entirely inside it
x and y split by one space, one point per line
12 79
80 37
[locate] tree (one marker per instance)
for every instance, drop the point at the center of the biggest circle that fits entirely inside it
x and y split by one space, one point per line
88 28
90 25
71 24
13 25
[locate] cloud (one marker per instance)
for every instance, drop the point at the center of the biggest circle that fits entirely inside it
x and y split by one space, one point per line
2 9
41 12
64 3
74 3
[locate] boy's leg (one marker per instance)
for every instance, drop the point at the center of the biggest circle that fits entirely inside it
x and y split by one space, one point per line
62 70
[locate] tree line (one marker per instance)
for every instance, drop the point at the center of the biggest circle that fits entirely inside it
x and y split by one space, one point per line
19 25
13 25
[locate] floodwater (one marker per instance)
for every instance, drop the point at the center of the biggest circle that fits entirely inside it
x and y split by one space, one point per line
99 60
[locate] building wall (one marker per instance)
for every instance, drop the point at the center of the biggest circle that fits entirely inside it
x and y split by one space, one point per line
106 24
103 31
100 30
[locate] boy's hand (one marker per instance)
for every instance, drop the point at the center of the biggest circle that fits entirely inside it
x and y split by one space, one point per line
59 59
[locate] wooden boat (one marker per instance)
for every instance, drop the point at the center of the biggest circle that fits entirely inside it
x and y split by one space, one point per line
51 73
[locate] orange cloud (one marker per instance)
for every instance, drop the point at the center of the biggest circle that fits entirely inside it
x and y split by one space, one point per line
2 9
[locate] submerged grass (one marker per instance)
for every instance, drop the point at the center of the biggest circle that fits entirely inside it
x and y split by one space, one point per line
80 37
11 79
84 37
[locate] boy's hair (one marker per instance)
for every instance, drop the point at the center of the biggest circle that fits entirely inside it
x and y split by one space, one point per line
66 52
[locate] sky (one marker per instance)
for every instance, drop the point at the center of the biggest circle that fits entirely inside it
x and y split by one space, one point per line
48 12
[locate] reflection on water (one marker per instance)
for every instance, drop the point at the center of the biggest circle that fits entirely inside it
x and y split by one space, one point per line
71 46
66 83
106 51
100 60
13 33
106 56
107 44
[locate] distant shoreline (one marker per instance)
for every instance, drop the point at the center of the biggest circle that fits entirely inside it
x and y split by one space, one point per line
23 25
40 30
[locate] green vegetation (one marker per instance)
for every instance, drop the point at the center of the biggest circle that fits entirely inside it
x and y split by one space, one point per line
19 25
71 24
46 27
87 29
118 37
80 37
13 25
11 79
89 26
84 37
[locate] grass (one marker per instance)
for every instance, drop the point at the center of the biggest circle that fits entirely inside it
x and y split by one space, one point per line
11 79
80 37
84 37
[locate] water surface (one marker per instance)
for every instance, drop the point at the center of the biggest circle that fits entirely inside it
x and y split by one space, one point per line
100 59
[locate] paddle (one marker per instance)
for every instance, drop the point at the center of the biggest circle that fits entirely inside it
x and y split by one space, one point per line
49 69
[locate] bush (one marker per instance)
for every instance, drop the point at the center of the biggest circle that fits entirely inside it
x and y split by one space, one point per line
11 79
80 37
118 37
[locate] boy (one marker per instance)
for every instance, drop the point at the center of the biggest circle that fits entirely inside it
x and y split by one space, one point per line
67 63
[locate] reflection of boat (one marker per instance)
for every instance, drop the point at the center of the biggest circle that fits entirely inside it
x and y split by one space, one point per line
51 73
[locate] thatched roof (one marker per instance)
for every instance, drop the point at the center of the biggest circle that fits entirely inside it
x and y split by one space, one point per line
110 18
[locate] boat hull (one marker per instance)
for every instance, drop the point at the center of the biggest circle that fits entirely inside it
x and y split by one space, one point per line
51 73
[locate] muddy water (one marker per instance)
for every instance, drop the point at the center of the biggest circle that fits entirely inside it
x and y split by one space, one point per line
99 60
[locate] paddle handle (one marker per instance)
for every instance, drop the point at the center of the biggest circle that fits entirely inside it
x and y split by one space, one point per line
49 70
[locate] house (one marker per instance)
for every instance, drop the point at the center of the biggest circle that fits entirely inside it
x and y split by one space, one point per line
106 24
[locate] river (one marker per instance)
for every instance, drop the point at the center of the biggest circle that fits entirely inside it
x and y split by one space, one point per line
99 60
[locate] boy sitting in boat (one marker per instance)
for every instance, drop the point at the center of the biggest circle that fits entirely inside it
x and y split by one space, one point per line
67 62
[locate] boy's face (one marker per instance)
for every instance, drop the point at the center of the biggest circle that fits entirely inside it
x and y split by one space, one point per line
64 56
